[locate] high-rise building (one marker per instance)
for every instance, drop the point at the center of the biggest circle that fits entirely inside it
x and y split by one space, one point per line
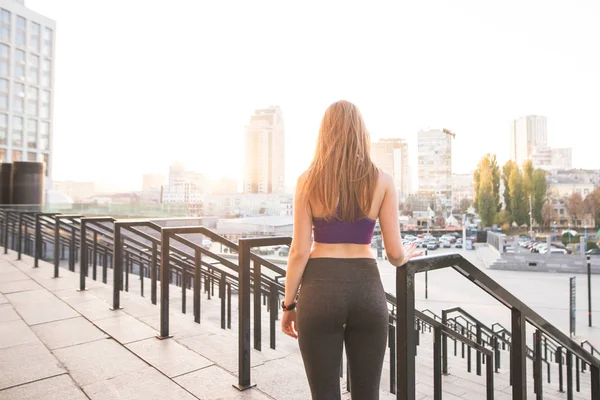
527 134
549 158
265 147
435 164
26 85
391 155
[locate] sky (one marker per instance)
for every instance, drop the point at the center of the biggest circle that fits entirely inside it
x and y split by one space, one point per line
140 84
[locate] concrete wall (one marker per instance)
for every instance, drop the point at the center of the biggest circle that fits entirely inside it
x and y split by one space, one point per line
546 263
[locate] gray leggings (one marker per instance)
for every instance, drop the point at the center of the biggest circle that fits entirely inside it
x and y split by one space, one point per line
334 292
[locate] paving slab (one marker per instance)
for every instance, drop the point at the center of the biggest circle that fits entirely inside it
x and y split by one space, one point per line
214 383
39 306
142 384
39 364
18 286
270 374
7 313
97 361
126 329
12 275
96 310
168 356
16 333
3 299
68 332
59 387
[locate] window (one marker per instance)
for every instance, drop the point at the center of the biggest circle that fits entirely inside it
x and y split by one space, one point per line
34 39
4 60
45 104
32 101
16 155
44 143
46 73
47 49
5 25
31 156
31 133
3 128
21 31
19 98
34 70
47 163
3 94
20 65
17 132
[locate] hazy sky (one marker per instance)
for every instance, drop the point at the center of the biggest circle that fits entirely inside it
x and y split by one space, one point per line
140 84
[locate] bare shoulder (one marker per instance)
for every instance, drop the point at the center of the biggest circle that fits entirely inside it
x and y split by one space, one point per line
302 179
384 180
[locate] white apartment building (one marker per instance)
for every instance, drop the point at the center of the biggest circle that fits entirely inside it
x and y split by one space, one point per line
548 158
264 170
527 134
435 164
391 155
26 85
463 187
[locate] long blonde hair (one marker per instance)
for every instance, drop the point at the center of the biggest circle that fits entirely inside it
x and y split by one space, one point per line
342 177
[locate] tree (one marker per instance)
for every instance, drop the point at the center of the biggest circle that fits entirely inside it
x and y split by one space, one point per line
528 179
503 218
518 205
575 207
539 190
464 205
485 198
548 215
507 169
487 176
591 205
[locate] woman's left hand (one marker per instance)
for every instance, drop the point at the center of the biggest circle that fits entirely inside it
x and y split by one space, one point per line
289 325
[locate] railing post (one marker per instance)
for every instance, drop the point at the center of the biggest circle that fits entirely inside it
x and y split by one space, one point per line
127 267
489 378
197 282
229 306
445 344
183 288
538 381
222 283
405 333
153 274
478 354
257 306
72 248
518 356
569 375
95 256
392 345
105 265
164 284
437 364
595 381
20 238
117 260
83 261
274 300
589 282
6 222
244 316
56 245
37 248
558 358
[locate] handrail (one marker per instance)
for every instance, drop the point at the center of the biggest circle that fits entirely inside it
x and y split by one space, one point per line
592 348
520 312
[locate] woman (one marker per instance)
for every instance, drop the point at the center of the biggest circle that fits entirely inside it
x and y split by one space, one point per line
339 198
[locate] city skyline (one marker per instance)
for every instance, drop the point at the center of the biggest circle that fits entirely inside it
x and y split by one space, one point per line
444 76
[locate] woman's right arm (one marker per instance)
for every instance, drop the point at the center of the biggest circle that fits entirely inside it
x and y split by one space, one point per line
389 223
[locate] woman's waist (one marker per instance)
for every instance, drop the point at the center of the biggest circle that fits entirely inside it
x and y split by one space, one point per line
340 269
341 250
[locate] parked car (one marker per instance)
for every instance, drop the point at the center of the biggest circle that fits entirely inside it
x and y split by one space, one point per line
458 244
557 251
284 251
206 244
410 238
446 244
593 252
432 245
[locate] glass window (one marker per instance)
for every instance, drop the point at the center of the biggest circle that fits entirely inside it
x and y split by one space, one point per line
47 50
4 60
31 156
19 98
34 69
46 73
32 101
3 94
3 128
20 64
16 155
31 133
47 163
44 142
2 155
45 104
34 39
21 31
5 25
17 132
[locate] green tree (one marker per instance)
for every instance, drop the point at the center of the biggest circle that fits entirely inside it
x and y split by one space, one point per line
464 205
518 205
528 179
486 204
540 189
487 169
503 218
507 169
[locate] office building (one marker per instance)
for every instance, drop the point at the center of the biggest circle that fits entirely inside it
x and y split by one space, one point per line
435 164
26 85
391 155
527 134
548 158
264 170
463 188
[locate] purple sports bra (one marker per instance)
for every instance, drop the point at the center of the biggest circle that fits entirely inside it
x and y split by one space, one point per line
336 231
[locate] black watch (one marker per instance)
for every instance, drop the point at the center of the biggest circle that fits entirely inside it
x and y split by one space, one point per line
288 308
